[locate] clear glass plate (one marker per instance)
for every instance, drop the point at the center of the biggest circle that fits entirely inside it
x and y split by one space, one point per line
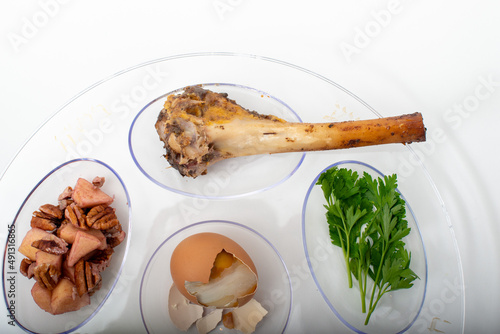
96 124
265 171
274 290
17 288
397 310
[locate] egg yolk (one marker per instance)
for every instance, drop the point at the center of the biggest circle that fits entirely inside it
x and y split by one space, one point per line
222 261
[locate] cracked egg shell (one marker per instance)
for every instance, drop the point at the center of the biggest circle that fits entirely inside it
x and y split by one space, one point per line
194 257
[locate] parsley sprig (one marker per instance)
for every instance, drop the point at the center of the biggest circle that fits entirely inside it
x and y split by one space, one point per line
366 219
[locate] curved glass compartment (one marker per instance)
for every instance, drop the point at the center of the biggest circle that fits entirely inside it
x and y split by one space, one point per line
27 314
234 177
272 272
397 310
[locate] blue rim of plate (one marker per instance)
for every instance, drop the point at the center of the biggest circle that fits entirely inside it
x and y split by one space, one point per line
310 265
210 222
182 192
12 230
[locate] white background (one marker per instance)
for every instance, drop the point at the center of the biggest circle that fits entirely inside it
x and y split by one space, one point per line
440 58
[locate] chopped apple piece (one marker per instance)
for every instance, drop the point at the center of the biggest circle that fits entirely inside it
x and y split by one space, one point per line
34 234
65 299
50 259
68 271
47 269
83 245
42 297
87 195
99 235
68 231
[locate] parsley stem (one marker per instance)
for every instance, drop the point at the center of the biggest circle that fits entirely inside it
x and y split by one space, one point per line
345 250
349 275
377 280
381 292
362 286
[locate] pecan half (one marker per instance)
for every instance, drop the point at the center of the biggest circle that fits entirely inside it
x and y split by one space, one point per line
66 194
102 258
42 223
52 245
47 275
65 198
102 217
87 278
98 181
80 279
48 217
94 279
51 211
113 231
75 215
64 203
116 239
114 236
26 268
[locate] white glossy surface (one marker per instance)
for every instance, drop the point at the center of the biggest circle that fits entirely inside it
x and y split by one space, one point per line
437 58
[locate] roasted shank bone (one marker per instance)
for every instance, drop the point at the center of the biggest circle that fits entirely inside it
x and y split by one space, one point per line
199 127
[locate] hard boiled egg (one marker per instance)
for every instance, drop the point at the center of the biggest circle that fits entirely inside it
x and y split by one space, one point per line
212 270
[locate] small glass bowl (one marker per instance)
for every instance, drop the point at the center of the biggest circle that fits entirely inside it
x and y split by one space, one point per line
397 310
226 179
17 288
274 291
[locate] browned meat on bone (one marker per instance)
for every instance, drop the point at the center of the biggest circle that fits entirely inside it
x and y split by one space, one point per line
199 127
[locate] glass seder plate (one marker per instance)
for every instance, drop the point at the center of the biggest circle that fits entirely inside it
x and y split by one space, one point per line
97 124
